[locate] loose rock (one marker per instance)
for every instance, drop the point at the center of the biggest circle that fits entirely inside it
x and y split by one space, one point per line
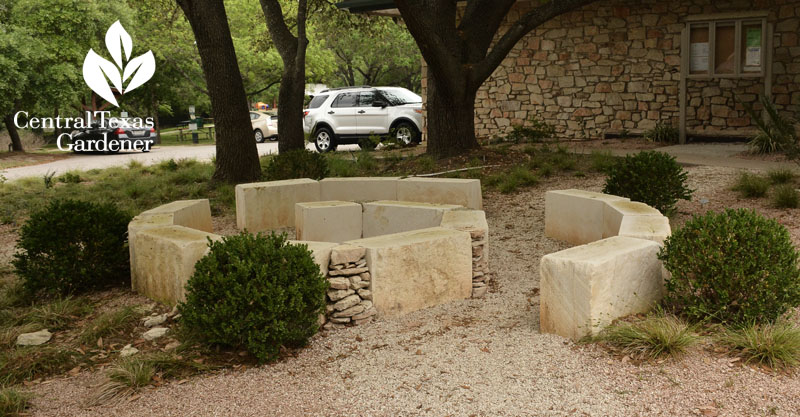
34 339
344 254
155 333
128 350
153 321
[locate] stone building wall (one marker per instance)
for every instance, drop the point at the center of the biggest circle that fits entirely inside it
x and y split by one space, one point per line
615 65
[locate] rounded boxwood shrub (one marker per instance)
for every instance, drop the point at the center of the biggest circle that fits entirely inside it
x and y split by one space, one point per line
73 246
735 266
651 177
255 292
297 163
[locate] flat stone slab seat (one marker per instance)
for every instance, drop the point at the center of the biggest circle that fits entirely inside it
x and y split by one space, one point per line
270 205
585 288
655 228
165 243
358 189
615 211
418 269
328 221
576 216
462 192
387 217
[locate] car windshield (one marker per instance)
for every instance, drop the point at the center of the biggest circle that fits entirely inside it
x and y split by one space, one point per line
398 96
317 101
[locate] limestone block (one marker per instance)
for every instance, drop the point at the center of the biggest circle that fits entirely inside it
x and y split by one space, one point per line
328 221
321 252
270 205
418 269
345 254
194 214
467 220
575 216
165 259
462 192
655 228
359 188
585 288
386 217
615 211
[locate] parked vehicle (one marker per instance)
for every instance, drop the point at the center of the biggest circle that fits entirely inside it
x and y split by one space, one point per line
351 115
113 139
265 125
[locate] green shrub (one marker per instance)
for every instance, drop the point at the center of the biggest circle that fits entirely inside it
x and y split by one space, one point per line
297 163
776 133
602 161
651 338
786 196
73 246
735 266
536 132
70 178
751 185
662 132
781 176
257 292
518 177
653 178
776 345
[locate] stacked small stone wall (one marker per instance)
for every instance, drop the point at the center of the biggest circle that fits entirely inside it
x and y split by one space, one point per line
615 65
480 263
349 298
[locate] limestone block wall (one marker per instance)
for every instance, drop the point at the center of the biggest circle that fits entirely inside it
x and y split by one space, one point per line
474 222
615 65
613 272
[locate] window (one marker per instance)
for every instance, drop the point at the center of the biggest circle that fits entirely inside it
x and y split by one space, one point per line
317 101
253 116
727 47
366 99
345 100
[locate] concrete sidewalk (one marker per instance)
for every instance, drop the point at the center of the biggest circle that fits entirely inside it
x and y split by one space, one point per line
711 154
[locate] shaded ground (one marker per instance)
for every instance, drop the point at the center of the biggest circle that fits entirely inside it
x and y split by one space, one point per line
474 357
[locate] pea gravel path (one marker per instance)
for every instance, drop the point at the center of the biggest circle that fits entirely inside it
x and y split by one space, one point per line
470 358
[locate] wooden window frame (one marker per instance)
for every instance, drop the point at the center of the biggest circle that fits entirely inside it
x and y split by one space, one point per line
738 20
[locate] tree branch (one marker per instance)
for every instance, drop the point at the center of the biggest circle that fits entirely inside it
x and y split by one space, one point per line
265 88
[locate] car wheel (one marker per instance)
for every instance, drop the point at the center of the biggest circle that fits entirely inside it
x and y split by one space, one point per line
406 134
259 136
273 138
324 141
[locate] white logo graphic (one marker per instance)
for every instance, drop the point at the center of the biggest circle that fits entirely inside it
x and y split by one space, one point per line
96 68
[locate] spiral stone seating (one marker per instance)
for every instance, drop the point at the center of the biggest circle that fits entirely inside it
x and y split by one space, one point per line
614 272
379 254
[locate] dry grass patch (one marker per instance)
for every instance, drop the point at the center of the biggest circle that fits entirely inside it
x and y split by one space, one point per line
13 401
109 323
654 337
774 345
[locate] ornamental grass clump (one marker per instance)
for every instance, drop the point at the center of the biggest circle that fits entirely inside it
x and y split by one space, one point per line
256 292
732 267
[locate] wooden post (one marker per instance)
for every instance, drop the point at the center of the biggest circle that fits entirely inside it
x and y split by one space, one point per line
682 94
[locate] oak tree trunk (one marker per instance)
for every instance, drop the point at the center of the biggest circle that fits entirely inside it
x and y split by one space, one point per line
16 143
450 120
237 155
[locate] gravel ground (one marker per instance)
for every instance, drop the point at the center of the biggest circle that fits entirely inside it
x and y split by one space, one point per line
469 358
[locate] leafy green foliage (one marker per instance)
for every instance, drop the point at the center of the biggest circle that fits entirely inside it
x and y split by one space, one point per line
651 338
257 292
751 185
72 247
786 196
663 133
297 163
734 266
537 131
776 345
651 177
775 134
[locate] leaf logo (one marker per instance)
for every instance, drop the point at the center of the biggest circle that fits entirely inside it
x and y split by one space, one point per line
98 71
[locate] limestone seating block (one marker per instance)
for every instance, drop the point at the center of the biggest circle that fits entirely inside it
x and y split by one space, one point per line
270 205
462 192
359 188
321 252
655 228
418 269
576 216
165 259
328 221
386 217
585 288
615 211
194 214
466 220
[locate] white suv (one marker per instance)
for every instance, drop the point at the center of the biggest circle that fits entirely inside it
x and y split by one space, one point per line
350 115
